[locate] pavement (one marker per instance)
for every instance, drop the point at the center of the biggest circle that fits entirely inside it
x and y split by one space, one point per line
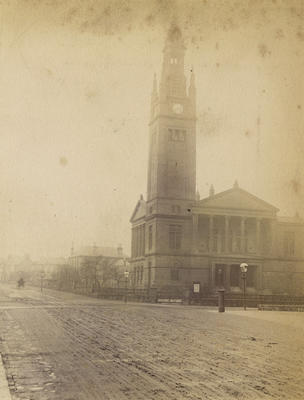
62 346
4 390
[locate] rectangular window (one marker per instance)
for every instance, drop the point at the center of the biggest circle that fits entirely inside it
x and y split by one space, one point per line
251 276
177 135
289 243
175 236
174 274
150 236
235 275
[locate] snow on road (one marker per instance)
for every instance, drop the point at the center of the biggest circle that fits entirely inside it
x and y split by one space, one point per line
67 347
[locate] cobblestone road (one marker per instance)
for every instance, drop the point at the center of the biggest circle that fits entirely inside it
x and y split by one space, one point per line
66 347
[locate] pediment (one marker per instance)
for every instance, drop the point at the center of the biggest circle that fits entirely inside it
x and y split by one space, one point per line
237 199
139 211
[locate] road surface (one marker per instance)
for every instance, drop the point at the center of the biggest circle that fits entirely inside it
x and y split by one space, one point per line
62 346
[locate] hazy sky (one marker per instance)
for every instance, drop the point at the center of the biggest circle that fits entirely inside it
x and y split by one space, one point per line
75 84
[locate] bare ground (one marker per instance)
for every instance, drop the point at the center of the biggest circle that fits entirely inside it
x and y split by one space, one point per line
67 347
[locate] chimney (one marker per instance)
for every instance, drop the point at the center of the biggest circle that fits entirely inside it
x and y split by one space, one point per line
211 191
119 250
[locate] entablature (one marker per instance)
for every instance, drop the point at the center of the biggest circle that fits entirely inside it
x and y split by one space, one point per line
244 213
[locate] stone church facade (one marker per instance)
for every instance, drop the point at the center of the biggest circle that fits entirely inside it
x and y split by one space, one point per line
179 239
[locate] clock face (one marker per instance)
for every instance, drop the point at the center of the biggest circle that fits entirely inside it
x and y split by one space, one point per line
177 108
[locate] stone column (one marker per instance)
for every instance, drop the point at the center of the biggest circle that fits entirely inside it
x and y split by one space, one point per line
272 236
260 279
212 270
195 232
211 276
227 219
210 233
258 235
243 221
228 278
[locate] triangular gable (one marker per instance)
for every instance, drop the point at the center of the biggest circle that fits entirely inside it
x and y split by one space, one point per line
139 211
237 199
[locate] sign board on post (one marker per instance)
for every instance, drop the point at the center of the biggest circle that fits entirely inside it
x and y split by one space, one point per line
196 287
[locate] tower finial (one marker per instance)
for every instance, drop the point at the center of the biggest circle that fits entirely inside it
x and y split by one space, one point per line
236 184
211 191
174 33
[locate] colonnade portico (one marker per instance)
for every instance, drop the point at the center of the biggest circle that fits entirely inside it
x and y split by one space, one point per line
227 275
217 233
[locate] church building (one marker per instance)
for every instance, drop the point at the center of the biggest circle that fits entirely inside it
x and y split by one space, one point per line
179 240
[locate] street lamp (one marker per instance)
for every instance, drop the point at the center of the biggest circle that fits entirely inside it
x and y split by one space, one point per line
126 273
221 292
244 268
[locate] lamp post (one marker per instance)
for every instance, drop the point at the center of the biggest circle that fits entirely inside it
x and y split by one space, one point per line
126 273
244 268
221 292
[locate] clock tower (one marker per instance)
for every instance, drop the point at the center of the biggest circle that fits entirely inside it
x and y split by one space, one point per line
162 224
172 149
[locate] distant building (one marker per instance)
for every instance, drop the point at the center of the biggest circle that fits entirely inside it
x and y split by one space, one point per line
16 267
46 268
95 266
178 239
3 271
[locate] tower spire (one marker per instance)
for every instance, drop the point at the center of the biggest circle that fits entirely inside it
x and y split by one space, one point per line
174 35
173 80
171 166
154 91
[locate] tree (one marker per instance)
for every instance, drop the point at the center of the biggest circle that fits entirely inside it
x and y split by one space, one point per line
109 271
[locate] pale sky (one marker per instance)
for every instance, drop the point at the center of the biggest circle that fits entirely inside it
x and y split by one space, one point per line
76 78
